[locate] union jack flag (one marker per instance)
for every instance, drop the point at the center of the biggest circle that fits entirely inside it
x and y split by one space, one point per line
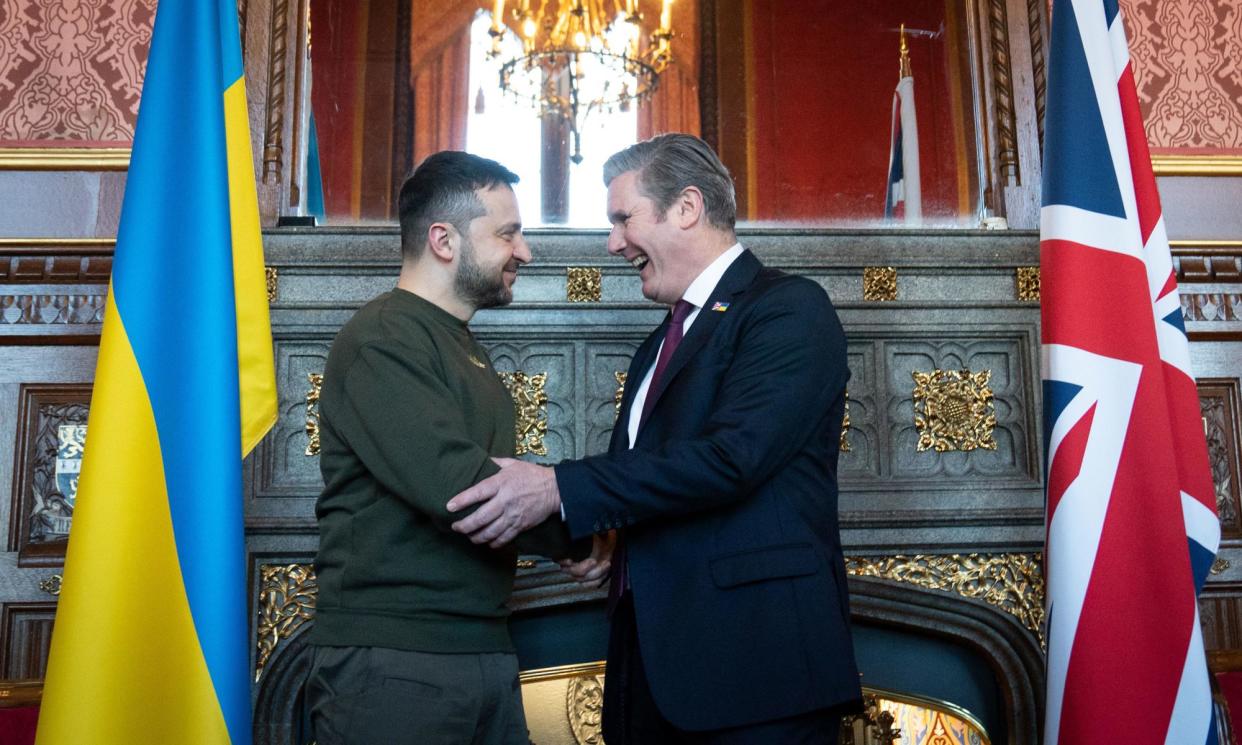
1131 512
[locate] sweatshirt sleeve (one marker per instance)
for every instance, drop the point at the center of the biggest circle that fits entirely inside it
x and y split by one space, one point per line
397 415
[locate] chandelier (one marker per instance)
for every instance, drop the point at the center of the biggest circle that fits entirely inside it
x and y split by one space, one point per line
580 56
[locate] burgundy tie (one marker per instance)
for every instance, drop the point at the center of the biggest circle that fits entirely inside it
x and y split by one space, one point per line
672 338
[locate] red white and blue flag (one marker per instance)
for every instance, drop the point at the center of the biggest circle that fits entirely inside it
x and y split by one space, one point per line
1131 510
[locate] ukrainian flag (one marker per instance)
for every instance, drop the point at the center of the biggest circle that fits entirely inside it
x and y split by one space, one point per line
150 643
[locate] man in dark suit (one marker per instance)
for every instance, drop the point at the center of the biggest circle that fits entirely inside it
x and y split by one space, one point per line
730 619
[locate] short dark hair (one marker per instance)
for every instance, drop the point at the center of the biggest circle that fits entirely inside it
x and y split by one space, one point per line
442 189
669 163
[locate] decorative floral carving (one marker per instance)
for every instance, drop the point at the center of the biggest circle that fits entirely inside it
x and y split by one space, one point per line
845 426
583 284
1013 583
1028 282
530 403
287 594
616 398
879 283
272 277
312 413
953 410
584 702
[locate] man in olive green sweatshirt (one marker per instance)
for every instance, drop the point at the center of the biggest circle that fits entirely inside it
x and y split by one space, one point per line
411 630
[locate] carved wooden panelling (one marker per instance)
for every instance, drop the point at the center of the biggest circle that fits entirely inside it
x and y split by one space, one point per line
52 309
1219 404
1221 617
863 457
25 635
1014 428
1211 306
56 269
72 70
1185 68
604 361
52 431
559 362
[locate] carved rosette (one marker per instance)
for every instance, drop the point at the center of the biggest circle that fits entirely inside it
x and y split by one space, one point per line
879 283
584 703
272 277
52 584
530 403
1014 583
1027 278
616 397
845 426
583 284
953 410
287 595
312 413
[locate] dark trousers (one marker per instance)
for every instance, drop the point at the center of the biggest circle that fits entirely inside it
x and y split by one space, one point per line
378 696
631 716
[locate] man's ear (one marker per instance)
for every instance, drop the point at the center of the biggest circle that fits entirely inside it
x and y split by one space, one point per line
440 241
688 208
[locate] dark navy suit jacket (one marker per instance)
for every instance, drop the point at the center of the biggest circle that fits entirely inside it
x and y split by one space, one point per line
729 503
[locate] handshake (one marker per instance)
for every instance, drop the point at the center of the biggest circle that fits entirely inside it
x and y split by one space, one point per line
517 498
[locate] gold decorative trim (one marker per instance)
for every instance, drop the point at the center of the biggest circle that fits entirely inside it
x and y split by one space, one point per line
619 394
526 563
845 426
287 595
52 584
64 158
584 703
1197 165
953 410
312 413
273 277
1014 583
530 404
11 243
934 704
879 283
1027 278
583 284
1207 243
1218 566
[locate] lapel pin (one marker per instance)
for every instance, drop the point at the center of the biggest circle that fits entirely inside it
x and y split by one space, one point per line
720 307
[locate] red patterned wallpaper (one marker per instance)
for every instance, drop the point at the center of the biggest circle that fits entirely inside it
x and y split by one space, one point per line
71 71
1187 57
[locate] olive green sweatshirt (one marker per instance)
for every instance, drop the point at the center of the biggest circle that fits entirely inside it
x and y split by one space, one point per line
411 411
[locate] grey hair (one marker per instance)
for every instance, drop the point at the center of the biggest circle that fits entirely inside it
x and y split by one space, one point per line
669 163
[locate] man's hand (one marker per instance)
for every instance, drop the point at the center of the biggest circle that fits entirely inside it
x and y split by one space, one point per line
518 498
593 569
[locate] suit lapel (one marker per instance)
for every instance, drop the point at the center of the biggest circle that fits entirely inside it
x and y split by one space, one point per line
740 274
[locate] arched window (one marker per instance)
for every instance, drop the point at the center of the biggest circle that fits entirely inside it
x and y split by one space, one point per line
553 189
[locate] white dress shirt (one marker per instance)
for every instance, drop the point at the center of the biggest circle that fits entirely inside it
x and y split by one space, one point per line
697 294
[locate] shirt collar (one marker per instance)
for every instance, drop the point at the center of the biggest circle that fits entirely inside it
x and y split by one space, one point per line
701 289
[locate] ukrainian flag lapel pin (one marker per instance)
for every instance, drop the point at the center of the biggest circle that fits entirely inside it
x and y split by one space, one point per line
720 307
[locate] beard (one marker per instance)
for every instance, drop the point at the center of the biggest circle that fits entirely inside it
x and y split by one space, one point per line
475 286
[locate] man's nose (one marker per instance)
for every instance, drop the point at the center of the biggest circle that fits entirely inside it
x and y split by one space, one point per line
616 240
521 251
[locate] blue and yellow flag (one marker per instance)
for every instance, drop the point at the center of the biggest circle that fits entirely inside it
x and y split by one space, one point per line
150 642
